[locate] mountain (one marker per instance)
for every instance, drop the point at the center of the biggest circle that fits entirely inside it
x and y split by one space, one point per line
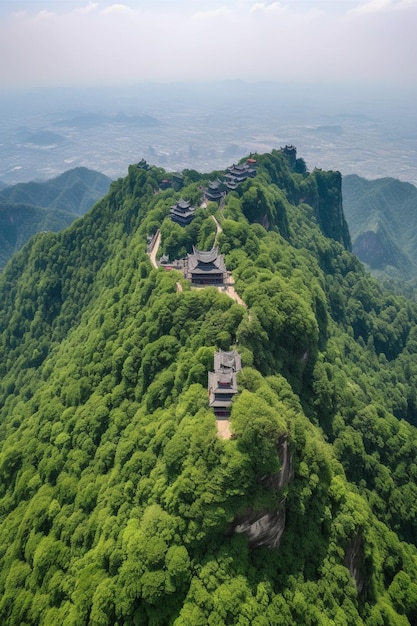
19 222
28 208
40 137
74 191
122 499
382 218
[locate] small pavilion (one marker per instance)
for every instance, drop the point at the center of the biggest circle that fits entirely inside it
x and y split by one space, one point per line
143 165
222 383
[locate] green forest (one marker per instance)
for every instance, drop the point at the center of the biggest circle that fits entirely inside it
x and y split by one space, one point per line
29 208
382 222
119 502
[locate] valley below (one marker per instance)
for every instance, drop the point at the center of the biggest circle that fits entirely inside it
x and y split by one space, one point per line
206 127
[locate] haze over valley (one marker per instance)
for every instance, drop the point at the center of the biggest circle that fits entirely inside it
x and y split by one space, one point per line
205 126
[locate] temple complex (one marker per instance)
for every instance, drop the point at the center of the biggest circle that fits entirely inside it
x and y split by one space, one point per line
206 267
182 212
222 383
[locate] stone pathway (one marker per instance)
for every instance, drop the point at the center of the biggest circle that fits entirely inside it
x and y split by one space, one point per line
155 245
218 229
223 429
223 425
230 290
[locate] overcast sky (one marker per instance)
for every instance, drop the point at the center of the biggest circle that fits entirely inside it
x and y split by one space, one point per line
77 42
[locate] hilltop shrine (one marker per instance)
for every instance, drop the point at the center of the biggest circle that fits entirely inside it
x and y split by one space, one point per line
143 165
222 383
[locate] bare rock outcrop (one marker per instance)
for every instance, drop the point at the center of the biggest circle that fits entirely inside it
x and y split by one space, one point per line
265 528
354 558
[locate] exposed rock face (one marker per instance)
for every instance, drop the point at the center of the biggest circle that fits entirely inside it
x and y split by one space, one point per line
262 529
354 561
286 473
378 249
328 207
265 528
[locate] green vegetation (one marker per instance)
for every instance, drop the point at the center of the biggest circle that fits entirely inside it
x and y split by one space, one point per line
382 220
117 497
29 208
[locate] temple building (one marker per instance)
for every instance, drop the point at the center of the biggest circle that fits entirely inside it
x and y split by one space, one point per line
182 212
224 360
214 191
206 268
237 174
165 184
290 152
143 165
222 383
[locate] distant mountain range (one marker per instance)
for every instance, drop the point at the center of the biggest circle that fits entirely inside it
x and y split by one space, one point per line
28 208
382 219
381 215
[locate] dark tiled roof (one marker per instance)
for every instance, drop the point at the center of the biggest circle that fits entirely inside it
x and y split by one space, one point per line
227 360
206 257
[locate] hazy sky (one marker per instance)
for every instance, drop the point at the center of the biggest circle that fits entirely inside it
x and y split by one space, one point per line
70 42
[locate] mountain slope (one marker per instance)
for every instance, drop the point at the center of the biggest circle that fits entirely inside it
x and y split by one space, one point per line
382 217
28 208
119 503
19 222
74 191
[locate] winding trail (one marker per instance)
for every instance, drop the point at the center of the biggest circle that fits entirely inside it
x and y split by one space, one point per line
156 241
230 290
223 425
218 229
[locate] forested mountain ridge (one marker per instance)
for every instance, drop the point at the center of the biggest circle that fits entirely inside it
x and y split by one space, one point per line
382 219
74 191
19 222
117 497
28 208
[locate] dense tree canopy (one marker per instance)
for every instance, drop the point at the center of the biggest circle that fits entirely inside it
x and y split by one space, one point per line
119 501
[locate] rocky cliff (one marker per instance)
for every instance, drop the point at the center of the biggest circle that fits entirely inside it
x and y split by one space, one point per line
265 528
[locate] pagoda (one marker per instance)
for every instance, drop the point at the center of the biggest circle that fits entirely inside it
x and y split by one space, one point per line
214 191
237 174
182 212
143 165
290 152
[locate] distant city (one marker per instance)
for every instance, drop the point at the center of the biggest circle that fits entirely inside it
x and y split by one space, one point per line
206 127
